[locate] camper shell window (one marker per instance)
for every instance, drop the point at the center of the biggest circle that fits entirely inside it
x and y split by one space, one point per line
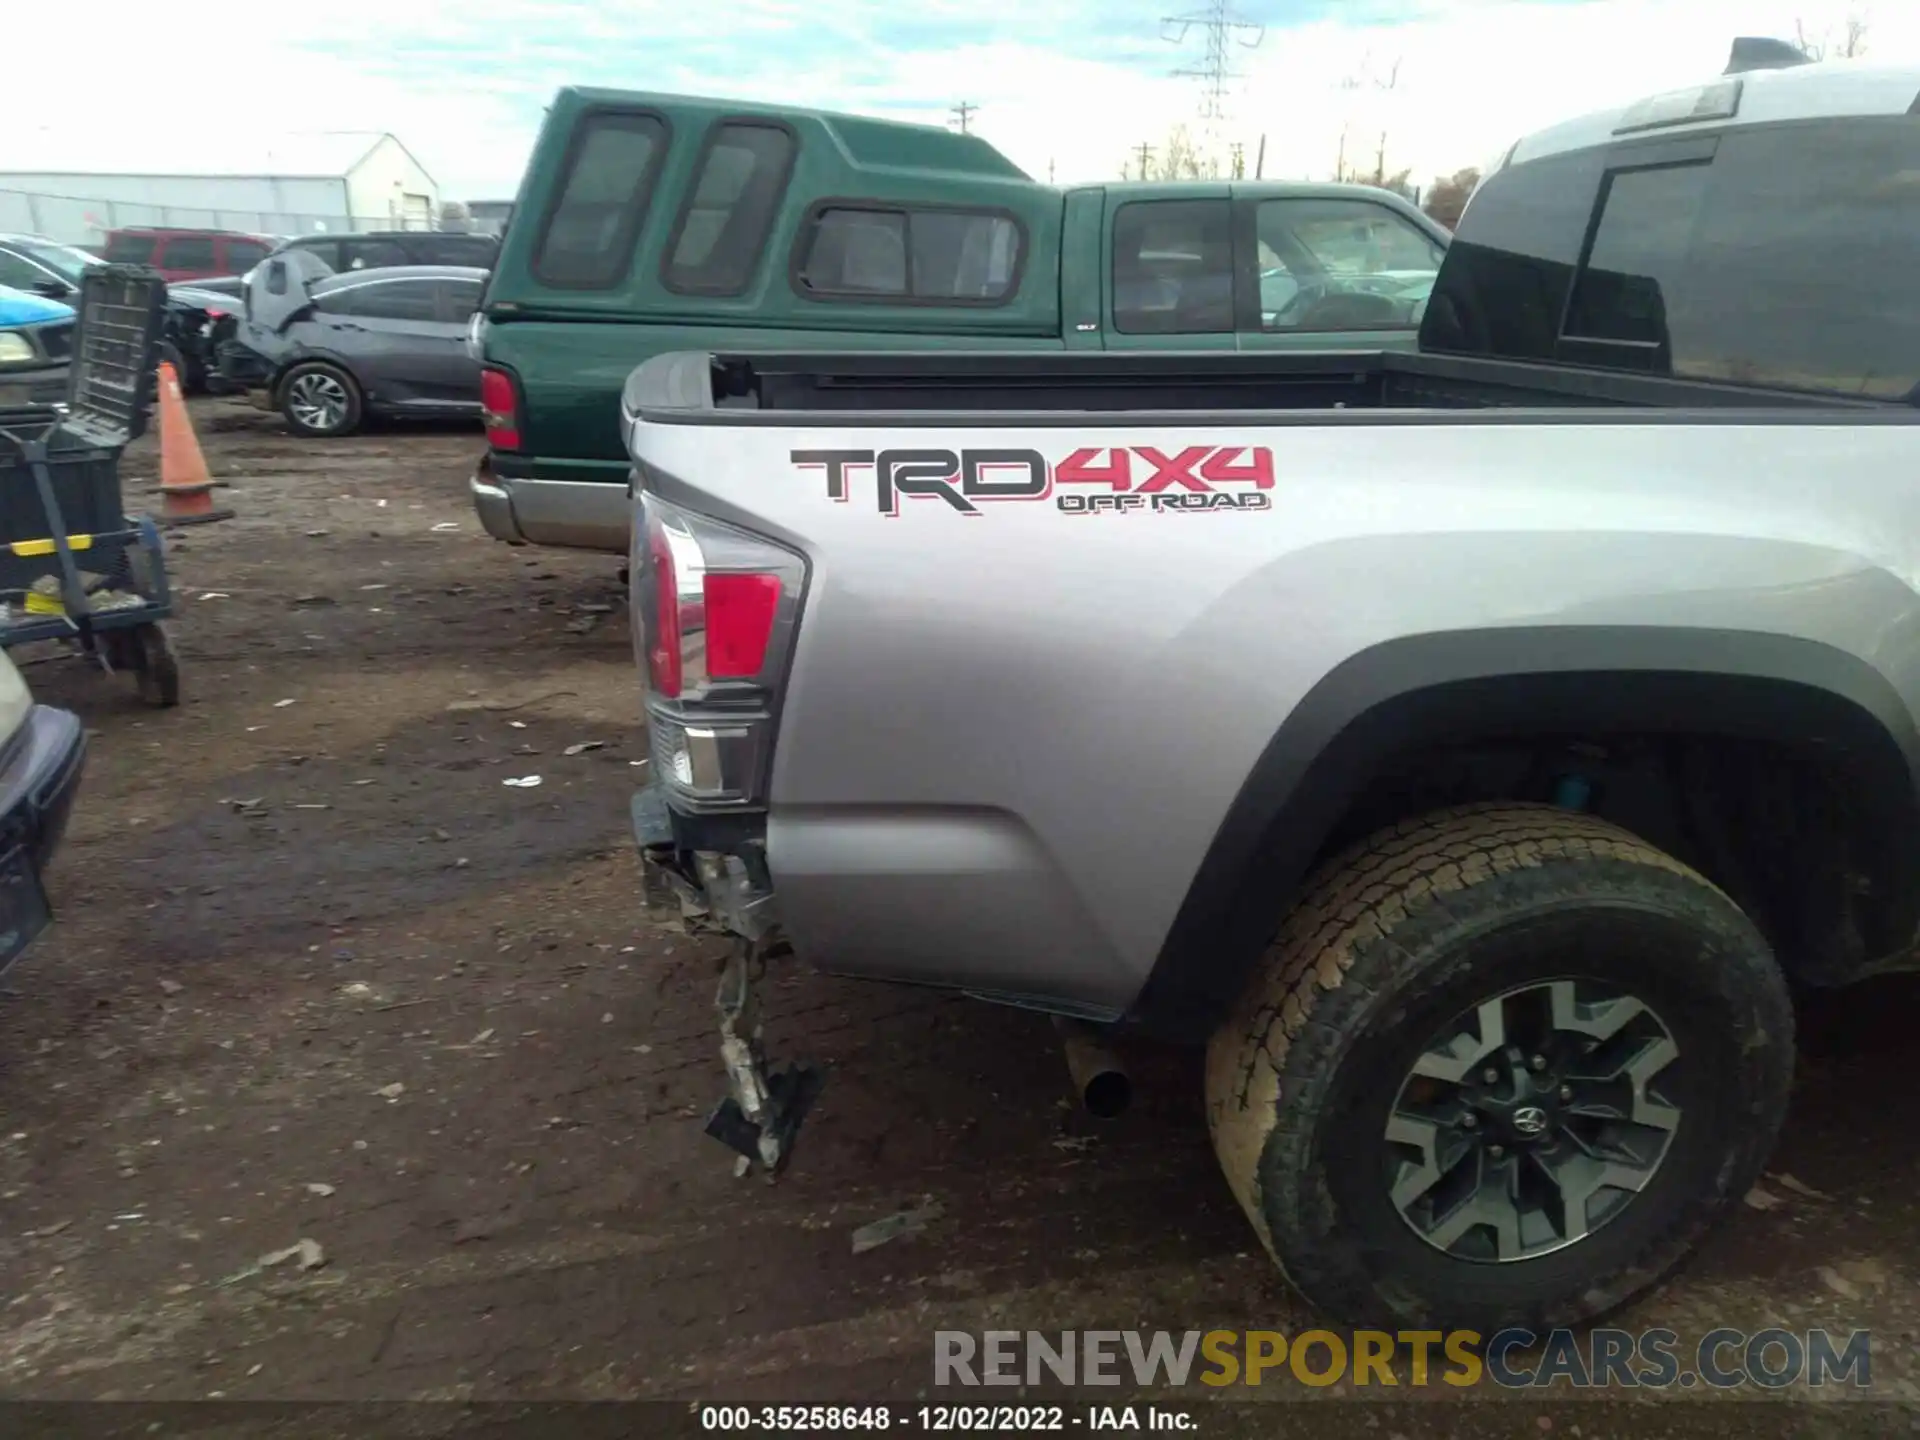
587 237
851 250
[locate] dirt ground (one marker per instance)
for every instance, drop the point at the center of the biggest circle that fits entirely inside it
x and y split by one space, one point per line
318 974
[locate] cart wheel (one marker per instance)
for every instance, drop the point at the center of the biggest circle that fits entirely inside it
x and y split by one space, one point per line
156 670
117 652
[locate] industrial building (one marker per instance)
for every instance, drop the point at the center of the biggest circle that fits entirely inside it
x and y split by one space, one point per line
69 187
489 217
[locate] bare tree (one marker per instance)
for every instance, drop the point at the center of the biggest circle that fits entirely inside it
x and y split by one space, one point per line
1447 196
1181 159
1849 44
1370 78
1400 183
1178 157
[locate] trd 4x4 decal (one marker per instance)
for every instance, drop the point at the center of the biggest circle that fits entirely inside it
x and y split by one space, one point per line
1093 480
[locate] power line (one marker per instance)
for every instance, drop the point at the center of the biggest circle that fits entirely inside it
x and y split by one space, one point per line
1223 30
964 113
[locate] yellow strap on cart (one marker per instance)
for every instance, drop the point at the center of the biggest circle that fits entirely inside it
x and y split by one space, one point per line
26 549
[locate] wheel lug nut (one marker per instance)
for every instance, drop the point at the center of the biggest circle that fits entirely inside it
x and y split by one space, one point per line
1489 1075
1538 1062
1566 1092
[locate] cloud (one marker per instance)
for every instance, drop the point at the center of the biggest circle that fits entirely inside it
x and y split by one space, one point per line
1067 86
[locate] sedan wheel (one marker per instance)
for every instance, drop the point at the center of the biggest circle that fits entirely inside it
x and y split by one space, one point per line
320 400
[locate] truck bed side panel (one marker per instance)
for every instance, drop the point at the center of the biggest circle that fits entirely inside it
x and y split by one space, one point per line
1010 736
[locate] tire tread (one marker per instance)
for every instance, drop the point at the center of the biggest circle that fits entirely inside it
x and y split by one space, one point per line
1351 908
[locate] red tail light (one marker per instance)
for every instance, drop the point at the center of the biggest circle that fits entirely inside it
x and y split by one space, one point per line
714 612
740 613
663 639
498 405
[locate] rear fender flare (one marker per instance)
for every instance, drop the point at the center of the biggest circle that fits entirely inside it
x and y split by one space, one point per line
1465 685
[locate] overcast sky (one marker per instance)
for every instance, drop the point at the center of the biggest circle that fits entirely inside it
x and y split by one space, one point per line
1066 84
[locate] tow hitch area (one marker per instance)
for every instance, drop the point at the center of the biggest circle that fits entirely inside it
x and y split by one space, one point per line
764 1109
706 892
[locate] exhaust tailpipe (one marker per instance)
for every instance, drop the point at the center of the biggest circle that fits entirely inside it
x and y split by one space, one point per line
1099 1078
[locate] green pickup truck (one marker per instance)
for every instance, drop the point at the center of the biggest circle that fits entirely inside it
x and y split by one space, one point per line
653 223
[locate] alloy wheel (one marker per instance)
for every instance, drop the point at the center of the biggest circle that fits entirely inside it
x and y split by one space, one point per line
1532 1120
318 400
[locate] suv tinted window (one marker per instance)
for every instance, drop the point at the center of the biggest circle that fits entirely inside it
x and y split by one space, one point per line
187 252
130 250
373 254
935 256
1173 267
1801 272
326 250
1504 284
1639 255
452 250
723 226
389 300
243 255
1786 260
587 242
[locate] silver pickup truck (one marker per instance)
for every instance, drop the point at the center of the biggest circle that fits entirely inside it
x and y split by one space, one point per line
1472 748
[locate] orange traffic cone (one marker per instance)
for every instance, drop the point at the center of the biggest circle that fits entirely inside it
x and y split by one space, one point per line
186 486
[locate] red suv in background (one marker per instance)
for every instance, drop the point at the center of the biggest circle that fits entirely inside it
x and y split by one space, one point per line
186 254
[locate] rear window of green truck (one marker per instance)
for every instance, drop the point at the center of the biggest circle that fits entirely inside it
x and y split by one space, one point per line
586 241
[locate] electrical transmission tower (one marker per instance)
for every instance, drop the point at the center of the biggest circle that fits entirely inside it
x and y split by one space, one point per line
1222 30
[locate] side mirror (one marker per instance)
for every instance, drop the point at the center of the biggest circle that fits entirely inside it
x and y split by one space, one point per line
52 289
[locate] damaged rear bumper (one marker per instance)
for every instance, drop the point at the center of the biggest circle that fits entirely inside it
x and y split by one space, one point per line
707 875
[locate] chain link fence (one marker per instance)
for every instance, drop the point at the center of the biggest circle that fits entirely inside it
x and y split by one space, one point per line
84 221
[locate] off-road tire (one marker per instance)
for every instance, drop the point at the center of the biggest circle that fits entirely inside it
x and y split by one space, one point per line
1422 921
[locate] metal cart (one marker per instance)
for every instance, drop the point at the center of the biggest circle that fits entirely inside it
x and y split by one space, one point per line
73 566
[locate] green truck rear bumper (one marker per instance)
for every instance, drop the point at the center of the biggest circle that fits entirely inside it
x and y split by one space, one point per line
569 514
